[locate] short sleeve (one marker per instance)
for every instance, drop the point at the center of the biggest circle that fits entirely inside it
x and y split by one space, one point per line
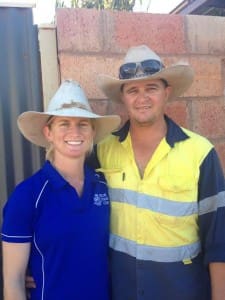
18 215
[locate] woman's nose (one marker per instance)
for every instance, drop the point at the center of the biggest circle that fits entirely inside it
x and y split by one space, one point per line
75 129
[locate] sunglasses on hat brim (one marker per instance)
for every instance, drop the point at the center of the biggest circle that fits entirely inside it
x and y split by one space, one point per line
139 69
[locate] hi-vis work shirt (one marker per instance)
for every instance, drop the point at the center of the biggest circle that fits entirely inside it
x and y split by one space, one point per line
169 225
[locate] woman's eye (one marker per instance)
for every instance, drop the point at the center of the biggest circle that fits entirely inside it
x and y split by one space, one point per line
84 124
63 124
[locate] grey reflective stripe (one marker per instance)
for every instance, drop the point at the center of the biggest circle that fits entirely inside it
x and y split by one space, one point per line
211 204
160 205
159 254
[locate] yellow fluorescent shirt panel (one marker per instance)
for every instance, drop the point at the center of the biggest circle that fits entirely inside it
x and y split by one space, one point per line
160 209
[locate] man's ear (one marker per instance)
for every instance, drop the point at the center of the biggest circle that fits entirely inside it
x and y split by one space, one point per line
169 90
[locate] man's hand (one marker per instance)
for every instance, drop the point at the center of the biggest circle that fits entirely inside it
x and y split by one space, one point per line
30 283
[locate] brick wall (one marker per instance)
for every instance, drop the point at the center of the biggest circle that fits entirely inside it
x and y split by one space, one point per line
92 42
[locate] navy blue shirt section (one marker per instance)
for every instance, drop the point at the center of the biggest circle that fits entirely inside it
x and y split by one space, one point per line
68 234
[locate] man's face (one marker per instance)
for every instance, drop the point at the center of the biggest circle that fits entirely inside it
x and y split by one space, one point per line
145 101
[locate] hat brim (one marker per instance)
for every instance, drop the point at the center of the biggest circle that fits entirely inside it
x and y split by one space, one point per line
179 77
31 124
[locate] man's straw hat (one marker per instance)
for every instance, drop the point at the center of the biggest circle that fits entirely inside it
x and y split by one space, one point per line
179 76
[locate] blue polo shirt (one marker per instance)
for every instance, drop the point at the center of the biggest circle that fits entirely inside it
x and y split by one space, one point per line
68 234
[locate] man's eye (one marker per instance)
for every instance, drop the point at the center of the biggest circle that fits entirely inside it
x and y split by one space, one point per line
132 92
152 89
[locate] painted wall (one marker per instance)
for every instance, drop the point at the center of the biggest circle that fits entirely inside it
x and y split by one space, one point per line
91 42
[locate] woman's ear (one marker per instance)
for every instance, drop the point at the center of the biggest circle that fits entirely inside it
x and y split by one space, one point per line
47 132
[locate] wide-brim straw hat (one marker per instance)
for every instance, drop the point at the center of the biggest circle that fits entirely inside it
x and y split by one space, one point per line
179 76
69 101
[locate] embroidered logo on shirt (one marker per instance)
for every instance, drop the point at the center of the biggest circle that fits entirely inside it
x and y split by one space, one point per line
101 199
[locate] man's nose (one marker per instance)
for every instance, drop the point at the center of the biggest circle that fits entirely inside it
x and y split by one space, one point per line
143 95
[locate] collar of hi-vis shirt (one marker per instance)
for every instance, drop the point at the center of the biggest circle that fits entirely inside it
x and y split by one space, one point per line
174 132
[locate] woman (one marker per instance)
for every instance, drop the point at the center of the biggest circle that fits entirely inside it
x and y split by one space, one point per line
56 222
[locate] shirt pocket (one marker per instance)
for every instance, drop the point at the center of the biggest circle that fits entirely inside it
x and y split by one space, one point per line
176 184
178 203
178 188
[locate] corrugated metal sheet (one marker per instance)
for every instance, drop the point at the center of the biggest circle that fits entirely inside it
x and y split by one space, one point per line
20 90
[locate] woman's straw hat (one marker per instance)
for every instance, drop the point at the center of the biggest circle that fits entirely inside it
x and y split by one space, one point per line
69 101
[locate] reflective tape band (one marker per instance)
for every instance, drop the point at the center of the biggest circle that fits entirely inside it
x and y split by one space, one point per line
168 207
211 204
153 253
160 205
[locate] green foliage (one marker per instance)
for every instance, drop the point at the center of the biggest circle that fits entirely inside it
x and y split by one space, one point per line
109 4
59 4
100 4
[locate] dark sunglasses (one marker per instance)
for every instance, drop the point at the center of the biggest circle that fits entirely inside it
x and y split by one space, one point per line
147 67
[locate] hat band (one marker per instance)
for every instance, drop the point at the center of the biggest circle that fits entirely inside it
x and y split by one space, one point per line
140 69
73 105
68 106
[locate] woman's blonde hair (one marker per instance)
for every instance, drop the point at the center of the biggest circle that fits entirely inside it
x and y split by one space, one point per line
50 153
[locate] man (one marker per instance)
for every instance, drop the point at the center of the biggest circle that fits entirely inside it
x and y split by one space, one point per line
167 190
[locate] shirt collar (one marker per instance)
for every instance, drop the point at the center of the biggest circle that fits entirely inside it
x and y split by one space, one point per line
58 181
174 132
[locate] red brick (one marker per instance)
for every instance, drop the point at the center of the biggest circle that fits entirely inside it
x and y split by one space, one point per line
79 30
208 76
179 112
208 117
84 69
163 33
206 34
91 30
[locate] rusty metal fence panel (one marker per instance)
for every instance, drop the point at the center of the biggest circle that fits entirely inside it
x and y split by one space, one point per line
20 90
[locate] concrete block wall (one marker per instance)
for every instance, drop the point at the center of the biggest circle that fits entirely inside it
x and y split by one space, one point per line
91 42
